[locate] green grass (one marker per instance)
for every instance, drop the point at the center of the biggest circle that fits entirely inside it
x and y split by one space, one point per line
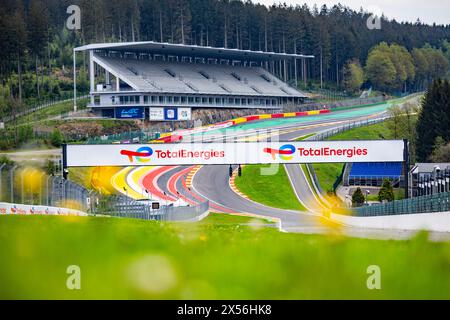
378 131
398 193
51 111
305 137
271 190
327 174
214 259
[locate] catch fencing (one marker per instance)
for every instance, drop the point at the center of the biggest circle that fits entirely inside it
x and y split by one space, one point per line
426 204
124 207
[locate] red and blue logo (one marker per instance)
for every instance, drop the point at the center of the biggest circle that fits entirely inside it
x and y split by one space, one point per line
141 155
285 152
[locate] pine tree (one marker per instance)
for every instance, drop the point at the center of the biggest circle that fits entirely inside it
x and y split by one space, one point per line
434 119
358 198
37 25
386 192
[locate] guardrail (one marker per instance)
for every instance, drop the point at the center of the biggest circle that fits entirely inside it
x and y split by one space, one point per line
127 208
42 106
426 204
332 132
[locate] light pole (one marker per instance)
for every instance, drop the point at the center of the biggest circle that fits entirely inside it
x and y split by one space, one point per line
11 173
165 198
436 176
126 194
22 174
48 190
1 176
367 197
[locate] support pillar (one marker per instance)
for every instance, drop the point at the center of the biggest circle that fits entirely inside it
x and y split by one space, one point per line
74 80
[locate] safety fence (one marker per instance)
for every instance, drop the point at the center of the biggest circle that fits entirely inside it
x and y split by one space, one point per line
127 137
324 135
426 204
34 188
42 106
124 207
335 105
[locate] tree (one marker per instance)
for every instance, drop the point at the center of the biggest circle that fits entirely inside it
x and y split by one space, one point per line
37 34
386 192
353 76
358 198
421 65
441 153
56 139
6 161
380 69
50 168
403 62
395 122
434 119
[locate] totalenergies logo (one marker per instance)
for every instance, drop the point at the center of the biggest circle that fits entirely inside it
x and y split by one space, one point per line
285 152
141 155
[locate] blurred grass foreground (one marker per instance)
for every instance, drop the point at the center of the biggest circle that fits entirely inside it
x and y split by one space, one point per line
223 257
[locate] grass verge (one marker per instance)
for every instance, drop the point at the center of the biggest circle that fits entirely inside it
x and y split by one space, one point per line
327 174
271 190
378 131
214 259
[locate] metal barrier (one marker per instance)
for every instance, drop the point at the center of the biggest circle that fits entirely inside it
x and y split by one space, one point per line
65 193
426 204
44 105
57 192
127 208
349 126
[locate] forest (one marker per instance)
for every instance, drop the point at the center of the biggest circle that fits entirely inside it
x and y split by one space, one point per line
36 55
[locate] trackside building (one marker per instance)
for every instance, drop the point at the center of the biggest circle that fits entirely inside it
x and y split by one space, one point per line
163 81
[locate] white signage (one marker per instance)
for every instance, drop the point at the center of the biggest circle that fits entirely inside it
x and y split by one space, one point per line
184 114
234 153
22 209
156 114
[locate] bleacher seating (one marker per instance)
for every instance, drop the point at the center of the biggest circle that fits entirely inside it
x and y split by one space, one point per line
375 169
177 77
373 174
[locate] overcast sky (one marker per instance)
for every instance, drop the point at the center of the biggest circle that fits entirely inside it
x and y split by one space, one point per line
428 11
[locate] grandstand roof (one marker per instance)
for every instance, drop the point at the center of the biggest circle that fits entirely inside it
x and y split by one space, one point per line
191 50
429 167
192 78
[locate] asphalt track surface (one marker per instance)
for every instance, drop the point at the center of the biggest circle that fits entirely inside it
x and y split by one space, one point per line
212 182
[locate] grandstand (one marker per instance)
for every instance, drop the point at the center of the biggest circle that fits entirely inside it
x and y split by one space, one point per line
146 79
373 174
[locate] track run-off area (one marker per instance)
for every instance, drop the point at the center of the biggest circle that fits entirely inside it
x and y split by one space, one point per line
191 185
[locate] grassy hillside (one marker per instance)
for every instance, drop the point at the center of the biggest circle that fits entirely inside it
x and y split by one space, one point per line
223 257
378 131
271 190
327 173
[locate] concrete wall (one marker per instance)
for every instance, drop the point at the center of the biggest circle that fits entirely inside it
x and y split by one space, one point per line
438 222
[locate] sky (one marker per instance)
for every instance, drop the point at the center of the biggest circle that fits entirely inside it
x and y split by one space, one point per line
428 11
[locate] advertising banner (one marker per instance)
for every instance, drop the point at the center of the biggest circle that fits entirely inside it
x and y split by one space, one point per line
184 114
21 209
234 153
170 114
156 114
130 113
